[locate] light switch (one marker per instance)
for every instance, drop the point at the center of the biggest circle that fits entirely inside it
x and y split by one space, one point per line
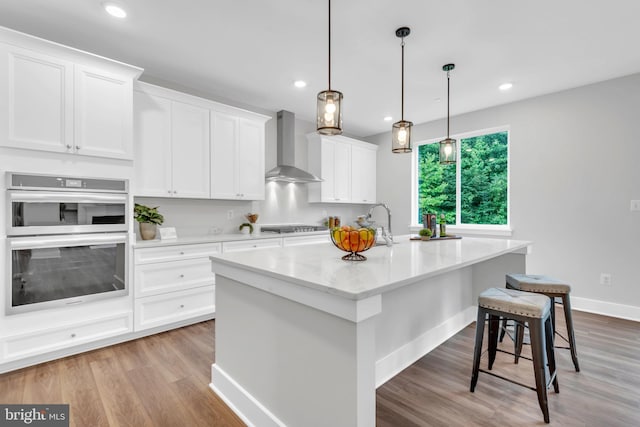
635 205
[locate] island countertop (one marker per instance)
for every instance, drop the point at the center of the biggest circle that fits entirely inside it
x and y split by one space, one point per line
320 266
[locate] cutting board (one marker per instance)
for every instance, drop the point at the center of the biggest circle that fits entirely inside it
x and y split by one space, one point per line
449 237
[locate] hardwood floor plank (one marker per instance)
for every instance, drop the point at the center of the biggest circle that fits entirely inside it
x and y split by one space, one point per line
120 399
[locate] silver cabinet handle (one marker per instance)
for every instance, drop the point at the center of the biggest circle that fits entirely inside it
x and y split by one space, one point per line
181 252
181 305
73 335
69 146
182 276
77 147
169 191
175 192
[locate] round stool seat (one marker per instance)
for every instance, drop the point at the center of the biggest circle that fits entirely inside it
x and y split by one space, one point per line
516 302
537 283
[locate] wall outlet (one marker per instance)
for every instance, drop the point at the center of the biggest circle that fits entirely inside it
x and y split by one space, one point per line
605 279
230 214
635 205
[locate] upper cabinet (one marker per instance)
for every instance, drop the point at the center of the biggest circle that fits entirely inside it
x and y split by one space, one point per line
237 155
58 99
347 167
191 147
171 144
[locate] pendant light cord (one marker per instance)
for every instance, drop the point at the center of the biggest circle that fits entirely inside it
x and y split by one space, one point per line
329 44
402 91
448 104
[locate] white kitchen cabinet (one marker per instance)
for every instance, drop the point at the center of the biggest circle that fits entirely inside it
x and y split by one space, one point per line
60 337
306 240
36 100
173 284
237 156
57 99
246 245
103 112
347 167
163 309
171 144
363 163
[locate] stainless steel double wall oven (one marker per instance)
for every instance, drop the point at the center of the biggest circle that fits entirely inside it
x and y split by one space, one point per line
67 240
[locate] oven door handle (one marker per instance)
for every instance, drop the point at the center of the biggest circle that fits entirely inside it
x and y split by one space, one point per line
37 242
56 197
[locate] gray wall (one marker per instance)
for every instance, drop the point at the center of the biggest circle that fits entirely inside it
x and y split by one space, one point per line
573 173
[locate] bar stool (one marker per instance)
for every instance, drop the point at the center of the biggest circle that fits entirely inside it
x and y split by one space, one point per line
527 308
552 288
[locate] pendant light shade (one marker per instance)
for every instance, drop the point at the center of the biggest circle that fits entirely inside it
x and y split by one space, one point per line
448 150
401 131
329 112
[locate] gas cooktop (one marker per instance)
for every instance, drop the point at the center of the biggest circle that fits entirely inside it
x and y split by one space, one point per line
291 228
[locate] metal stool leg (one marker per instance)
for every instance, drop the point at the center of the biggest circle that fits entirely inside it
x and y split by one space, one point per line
551 356
572 338
477 352
494 324
536 333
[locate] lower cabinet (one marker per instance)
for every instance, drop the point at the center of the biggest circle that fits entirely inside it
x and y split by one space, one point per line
60 337
170 307
173 284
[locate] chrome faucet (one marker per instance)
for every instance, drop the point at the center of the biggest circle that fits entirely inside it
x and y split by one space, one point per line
386 234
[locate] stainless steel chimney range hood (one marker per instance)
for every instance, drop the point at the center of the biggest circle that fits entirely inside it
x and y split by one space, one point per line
286 153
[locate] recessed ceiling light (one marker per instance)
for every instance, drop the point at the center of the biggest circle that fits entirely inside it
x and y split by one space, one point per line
505 86
114 10
300 83
388 118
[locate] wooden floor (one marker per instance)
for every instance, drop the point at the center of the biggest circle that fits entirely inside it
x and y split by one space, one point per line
163 380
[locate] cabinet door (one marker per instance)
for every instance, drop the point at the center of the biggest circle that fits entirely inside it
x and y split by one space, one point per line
224 173
152 163
190 150
36 100
327 167
363 174
103 112
342 172
251 182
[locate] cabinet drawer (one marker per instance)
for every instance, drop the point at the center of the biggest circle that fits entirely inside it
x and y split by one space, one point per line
306 240
158 310
152 279
251 244
173 253
51 339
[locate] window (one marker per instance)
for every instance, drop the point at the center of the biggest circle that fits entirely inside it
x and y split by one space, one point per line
473 192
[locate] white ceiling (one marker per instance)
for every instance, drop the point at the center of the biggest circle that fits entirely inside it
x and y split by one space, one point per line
251 51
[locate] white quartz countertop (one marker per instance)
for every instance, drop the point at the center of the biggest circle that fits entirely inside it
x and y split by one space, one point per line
215 238
319 266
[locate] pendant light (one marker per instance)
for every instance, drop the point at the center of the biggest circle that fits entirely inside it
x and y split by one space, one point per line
448 146
329 112
401 131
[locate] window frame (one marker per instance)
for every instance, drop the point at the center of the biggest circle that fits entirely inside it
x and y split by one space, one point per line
473 229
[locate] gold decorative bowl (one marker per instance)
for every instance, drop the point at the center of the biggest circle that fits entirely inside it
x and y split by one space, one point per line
353 240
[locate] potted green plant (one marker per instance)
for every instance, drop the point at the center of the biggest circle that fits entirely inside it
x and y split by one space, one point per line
425 233
149 219
246 228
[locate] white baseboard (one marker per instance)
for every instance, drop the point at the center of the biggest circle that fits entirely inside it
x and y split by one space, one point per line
245 406
391 365
611 309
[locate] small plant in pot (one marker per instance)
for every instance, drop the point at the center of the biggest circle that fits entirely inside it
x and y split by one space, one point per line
425 233
149 219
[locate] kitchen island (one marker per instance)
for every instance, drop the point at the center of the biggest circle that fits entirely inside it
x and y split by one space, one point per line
303 338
